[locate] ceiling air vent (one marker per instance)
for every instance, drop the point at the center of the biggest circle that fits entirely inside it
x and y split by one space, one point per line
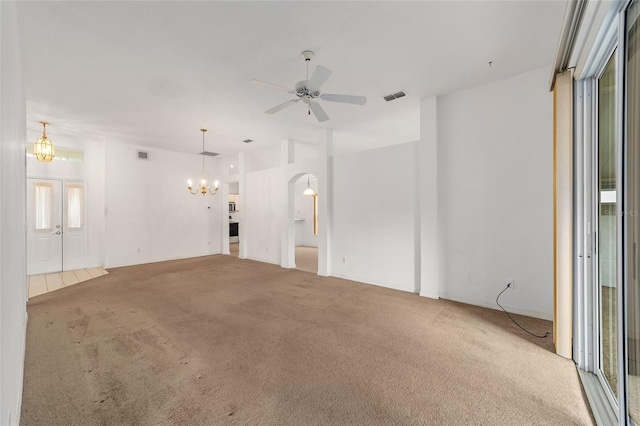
143 155
393 96
247 140
209 153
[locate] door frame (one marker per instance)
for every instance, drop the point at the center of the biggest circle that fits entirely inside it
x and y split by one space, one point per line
612 36
64 225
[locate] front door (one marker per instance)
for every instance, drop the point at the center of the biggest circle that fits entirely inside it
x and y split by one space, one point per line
44 226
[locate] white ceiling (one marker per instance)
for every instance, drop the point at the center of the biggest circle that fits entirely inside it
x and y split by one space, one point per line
153 73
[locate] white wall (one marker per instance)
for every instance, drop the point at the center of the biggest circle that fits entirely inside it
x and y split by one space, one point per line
13 271
261 215
304 211
262 158
92 170
495 177
374 218
150 216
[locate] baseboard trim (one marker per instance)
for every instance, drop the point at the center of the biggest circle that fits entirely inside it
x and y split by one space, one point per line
16 417
146 262
370 282
510 309
261 260
429 294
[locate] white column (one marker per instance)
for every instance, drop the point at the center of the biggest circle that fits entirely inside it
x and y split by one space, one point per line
430 246
13 271
242 187
288 244
224 208
325 200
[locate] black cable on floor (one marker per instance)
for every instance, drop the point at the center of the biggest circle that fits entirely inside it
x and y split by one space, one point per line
546 333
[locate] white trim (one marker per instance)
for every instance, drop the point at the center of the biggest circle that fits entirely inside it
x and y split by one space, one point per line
371 282
146 262
258 259
23 342
510 309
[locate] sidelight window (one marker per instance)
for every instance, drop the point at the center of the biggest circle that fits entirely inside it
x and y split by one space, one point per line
75 206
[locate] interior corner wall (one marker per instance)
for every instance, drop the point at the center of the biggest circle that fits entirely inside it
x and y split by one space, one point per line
374 217
149 214
262 216
495 152
13 271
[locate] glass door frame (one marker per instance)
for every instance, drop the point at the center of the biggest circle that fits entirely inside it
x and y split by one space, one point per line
588 316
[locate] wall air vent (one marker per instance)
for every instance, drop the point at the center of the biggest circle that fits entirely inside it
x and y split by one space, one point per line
209 153
143 155
394 96
247 140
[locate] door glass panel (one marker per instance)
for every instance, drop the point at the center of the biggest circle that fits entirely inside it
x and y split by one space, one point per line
75 206
632 208
43 206
607 223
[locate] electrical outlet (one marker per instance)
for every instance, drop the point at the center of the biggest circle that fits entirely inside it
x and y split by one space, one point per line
511 283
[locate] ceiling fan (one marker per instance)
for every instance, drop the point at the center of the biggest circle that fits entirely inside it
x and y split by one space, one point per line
308 91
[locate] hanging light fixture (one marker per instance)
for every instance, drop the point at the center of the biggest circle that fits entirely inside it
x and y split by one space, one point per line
204 187
43 149
309 190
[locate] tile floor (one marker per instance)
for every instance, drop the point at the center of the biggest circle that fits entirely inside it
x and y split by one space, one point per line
41 284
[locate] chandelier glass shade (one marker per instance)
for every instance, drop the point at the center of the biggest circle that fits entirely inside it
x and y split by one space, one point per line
204 187
43 149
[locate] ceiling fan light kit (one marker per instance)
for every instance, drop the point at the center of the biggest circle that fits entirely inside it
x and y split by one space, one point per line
308 91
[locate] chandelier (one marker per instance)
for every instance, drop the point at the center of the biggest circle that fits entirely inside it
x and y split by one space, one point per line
204 187
43 149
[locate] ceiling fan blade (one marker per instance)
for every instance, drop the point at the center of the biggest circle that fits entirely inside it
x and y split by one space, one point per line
281 106
318 112
347 99
259 83
320 75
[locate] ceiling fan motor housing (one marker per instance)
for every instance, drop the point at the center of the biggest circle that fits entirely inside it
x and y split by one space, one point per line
302 89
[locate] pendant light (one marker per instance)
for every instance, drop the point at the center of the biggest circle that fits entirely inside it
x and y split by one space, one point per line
43 149
204 187
309 190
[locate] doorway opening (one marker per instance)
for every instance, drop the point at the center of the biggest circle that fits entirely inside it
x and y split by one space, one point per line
234 219
306 199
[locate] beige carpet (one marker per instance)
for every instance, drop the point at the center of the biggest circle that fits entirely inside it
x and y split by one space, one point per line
220 340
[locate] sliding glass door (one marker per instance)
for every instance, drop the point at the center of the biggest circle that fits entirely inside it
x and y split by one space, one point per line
631 208
607 220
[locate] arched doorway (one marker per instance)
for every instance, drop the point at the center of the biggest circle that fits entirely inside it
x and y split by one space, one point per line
302 244
306 223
